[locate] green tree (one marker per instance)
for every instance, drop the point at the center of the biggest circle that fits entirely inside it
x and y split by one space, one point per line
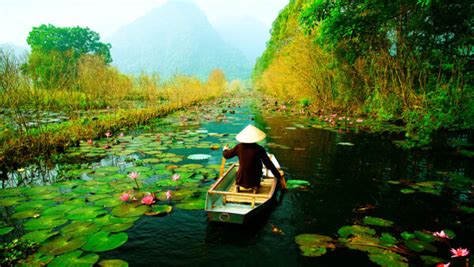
55 53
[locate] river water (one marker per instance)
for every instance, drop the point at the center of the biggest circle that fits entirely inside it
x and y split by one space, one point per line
347 183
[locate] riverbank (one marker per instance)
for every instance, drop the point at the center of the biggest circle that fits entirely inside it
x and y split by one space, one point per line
18 150
457 140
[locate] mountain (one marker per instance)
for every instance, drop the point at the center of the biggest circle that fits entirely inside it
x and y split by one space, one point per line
246 33
176 38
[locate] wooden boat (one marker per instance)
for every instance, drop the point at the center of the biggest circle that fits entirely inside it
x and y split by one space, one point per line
225 204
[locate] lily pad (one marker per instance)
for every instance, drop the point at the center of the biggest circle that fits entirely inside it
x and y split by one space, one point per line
297 184
466 209
108 220
199 156
108 169
58 210
130 210
313 245
80 228
108 202
6 230
424 236
103 241
377 221
7 192
117 227
159 210
73 259
430 260
388 258
407 191
197 204
8 202
37 259
355 230
62 244
85 213
41 223
37 204
151 160
113 263
407 235
313 251
419 246
39 236
388 239
26 214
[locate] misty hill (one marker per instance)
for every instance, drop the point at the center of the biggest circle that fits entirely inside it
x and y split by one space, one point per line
246 33
175 38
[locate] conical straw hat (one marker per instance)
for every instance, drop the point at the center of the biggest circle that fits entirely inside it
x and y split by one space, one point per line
250 134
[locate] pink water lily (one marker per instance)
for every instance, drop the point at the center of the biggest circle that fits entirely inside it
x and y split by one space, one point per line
148 200
125 197
108 134
176 177
459 252
441 234
168 195
122 135
359 120
134 175
443 264
90 142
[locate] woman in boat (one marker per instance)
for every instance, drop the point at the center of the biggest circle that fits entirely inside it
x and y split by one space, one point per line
251 156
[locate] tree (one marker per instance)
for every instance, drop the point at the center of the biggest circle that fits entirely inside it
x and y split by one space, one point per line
216 80
55 53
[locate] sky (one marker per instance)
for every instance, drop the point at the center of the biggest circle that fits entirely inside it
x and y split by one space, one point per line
17 17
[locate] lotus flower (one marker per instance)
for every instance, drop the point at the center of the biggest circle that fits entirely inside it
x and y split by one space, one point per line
459 252
125 197
134 175
90 142
443 264
108 134
176 177
168 195
441 234
148 200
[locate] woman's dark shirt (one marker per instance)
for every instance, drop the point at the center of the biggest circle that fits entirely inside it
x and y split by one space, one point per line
251 157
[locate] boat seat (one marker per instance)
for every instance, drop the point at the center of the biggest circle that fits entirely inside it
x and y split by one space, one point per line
259 197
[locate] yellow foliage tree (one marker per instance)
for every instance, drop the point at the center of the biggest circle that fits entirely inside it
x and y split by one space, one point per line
100 82
216 81
301 70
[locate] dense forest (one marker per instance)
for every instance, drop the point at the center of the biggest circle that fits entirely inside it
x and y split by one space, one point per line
408 62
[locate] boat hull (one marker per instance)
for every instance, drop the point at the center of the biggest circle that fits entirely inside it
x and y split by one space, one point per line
224 203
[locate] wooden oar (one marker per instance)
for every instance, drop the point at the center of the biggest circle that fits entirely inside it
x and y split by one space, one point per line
282 180
221 172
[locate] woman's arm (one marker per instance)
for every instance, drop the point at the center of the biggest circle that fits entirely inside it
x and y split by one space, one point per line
229 153
269 164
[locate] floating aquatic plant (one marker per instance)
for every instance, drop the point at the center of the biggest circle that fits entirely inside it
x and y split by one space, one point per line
383 248
74 259
104 241
112 263
199 156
